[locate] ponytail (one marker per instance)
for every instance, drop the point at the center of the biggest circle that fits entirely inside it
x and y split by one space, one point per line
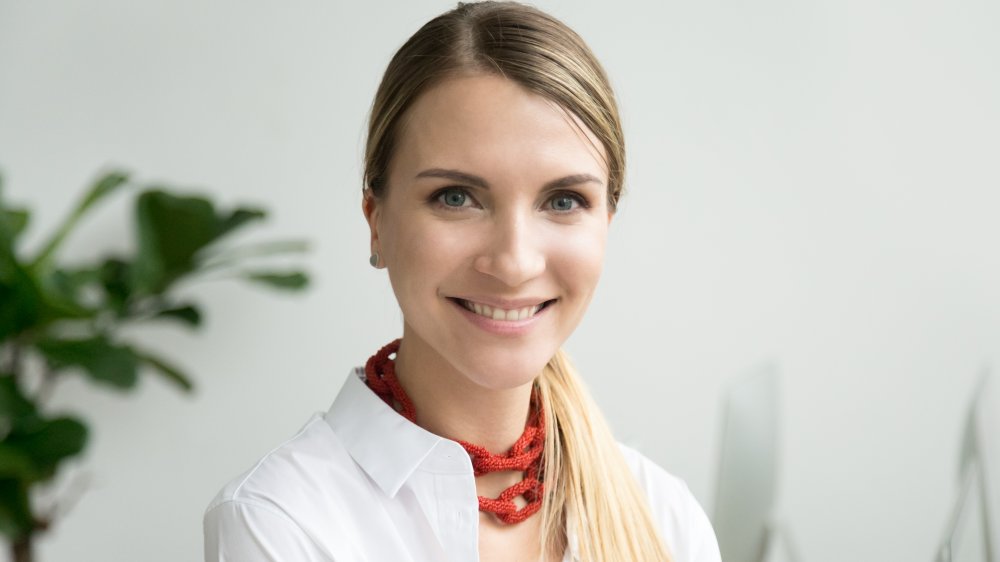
587 476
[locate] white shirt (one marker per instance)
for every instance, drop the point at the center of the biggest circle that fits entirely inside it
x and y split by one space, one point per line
364 484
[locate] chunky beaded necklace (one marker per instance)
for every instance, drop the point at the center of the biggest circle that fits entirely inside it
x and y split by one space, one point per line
525 455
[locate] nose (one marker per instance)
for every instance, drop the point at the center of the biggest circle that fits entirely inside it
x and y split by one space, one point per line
512 253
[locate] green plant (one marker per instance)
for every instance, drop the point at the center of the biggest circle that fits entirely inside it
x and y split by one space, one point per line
57 319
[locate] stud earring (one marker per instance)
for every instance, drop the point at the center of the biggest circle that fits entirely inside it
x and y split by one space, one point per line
373 260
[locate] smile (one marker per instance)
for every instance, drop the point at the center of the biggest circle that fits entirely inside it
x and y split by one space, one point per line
497 313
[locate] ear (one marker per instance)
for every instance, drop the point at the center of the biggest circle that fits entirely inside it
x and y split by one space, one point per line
372 209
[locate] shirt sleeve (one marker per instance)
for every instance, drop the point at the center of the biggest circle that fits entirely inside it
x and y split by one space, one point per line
237 531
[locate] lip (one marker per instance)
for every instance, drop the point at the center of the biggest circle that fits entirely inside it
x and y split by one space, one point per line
503 327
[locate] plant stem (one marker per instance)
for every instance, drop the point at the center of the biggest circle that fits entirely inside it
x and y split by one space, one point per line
21 549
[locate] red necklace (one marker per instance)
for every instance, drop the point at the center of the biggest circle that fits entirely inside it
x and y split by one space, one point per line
525 455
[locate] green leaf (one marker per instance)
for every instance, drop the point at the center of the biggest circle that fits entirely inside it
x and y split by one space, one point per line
287 281
45 444
17 412
173 374
115 276
171 231
238 218
68 282
20 296
14 463
13 403
105 185
103 361
61 294
51 442
15 511
17 221
187 314
65 291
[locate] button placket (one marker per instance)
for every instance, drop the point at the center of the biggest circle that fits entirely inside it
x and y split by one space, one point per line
457 502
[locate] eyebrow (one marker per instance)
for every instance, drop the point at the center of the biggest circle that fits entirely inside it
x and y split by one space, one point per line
477 181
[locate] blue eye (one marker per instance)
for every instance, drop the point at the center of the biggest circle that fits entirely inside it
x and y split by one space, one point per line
564 203
453 197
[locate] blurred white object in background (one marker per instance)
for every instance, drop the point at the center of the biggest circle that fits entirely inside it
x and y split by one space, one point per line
973 532
745 520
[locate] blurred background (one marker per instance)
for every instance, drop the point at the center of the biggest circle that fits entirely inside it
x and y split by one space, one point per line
812 184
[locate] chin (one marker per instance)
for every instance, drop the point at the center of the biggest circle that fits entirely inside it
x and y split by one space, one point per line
504 369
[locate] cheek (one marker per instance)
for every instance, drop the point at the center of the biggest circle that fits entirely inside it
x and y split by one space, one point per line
578 260
419 255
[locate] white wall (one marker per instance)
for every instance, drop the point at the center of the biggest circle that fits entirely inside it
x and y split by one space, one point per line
810 182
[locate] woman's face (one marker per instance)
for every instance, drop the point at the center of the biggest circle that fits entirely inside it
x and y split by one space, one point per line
492 227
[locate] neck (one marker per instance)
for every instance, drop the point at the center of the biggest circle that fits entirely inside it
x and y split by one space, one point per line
450 404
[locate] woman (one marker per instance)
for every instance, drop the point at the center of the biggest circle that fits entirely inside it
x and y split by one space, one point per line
493 167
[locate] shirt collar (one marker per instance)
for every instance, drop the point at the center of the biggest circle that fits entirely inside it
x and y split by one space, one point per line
389 447
385 444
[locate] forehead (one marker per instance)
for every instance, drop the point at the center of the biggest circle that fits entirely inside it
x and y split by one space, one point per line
497 128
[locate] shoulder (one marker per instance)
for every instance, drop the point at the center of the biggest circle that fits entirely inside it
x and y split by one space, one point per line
277 476
285 499
683 522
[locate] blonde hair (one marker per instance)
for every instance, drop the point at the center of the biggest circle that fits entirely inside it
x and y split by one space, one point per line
585 472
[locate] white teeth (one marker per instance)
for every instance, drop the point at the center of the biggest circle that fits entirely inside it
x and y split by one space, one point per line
502 314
